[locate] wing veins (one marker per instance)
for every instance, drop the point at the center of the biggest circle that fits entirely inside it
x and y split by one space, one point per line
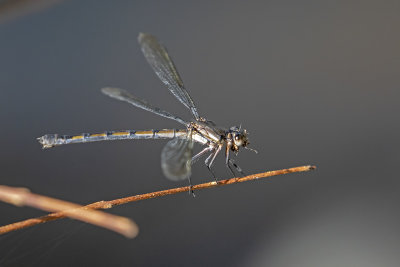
163 65
176 158
123 95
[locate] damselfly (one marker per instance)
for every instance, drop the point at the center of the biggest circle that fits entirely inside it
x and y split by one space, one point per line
177 155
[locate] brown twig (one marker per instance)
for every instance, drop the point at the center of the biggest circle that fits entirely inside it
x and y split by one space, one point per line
120 201
23 197
12 9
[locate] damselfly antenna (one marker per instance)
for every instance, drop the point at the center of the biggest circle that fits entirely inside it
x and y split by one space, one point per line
251 149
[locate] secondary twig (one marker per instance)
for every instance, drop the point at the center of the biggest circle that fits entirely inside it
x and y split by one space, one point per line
23 197
12 9
115 202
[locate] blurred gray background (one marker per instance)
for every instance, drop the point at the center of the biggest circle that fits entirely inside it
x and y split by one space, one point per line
314 82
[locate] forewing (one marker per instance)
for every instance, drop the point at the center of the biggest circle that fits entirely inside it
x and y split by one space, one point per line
123 95
176 158
165 69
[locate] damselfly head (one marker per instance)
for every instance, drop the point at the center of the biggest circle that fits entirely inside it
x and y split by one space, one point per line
239 137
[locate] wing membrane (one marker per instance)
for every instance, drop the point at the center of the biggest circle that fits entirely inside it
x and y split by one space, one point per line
123 95
176 158
165 69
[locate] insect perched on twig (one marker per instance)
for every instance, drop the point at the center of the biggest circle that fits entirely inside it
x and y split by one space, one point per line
177 155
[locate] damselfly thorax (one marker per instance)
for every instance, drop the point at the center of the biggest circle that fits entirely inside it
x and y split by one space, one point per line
177 155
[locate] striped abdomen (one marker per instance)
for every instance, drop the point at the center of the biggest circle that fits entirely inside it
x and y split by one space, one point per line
51 140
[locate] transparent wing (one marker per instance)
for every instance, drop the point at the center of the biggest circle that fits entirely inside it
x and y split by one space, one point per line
123 95
176 158
165 69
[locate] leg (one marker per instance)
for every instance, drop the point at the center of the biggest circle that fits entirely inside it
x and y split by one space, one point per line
227 160
207 165
194 159
215 155
211 158
200 154
231 161
191 192
230 168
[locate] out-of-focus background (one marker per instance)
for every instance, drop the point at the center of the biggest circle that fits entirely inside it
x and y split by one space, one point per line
314 82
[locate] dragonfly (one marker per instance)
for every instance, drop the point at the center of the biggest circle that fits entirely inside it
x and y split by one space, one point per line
177 155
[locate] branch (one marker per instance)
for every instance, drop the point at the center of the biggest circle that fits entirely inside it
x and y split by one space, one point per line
23 197
109 204
12 9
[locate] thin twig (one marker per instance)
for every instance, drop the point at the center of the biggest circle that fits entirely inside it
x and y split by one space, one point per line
109 204
12 9
23 197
